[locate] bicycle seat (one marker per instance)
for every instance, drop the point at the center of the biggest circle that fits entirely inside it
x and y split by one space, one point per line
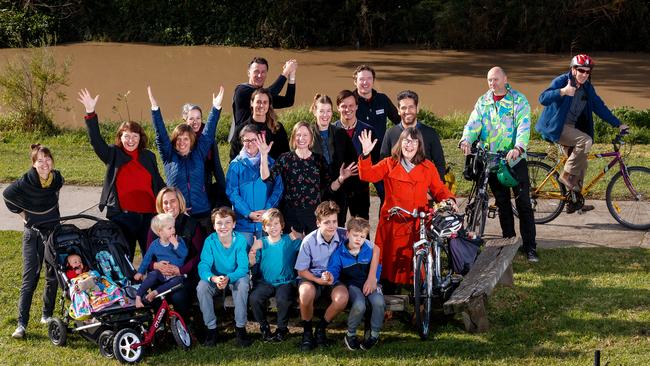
537 155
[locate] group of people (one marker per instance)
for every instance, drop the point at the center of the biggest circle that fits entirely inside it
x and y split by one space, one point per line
275 215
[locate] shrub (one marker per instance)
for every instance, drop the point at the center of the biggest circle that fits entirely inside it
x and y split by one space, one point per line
29 87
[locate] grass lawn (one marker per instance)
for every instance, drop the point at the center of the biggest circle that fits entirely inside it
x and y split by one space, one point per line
79 164
576 300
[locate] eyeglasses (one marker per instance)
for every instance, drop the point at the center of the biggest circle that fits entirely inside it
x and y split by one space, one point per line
247 141
409 142
584 71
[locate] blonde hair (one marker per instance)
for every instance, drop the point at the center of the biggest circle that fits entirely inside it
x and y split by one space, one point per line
161 220
358 224
292 139
181 129
272 214
182 206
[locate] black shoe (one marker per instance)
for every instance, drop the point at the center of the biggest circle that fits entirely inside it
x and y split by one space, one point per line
280 334
532 256
242 337
307 343
211 337
586 208
369 343
321 336
352 342
267 336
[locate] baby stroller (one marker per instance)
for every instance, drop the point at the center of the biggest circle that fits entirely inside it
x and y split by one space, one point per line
102 249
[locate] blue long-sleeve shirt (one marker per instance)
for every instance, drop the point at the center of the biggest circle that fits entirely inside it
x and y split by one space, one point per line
351 269
162 252
276 260
217 260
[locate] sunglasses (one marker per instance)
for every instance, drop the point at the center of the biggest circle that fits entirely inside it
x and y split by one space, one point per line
584 71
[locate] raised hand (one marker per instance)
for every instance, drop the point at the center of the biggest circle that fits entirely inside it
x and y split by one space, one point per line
154 104
257 244
88 101
260 142
347 172
216 101
367 143
569 89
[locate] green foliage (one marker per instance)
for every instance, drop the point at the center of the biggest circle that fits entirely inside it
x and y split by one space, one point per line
529 26
29 88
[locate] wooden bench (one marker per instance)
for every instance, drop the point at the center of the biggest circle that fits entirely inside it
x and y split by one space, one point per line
393 303
493 266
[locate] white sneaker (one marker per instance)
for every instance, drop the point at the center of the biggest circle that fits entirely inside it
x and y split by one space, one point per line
19 332
46 319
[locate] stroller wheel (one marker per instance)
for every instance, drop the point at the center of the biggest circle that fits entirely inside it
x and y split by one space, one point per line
181 333
105 342
58 332
122 346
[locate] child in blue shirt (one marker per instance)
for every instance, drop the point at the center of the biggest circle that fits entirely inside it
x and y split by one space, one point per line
275 255
224 264
168 247
350 265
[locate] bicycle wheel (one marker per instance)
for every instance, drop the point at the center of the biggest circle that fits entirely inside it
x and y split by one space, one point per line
477 213
630 206
545 193
422 295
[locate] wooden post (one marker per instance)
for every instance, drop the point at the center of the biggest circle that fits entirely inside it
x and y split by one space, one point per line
507 278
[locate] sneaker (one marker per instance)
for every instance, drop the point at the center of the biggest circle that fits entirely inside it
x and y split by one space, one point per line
369 343
46 319
307 343
532 256
242 337
352 342
321 336
267 336
280 334
210 338
586 208
19 332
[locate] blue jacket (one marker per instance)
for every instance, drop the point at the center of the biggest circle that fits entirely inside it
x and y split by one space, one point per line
187 173
248 192
556 107
351 270
216 260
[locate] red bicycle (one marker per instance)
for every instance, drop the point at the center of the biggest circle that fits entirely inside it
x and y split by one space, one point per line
128 344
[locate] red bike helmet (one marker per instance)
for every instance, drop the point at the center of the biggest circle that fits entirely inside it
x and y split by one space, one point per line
582 60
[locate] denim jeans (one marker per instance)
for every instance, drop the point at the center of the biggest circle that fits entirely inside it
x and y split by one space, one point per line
205 291
358 303
33 252
249 237
156 281
262 292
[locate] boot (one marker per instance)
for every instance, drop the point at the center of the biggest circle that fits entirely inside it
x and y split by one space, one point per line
267 336
242 337
211 336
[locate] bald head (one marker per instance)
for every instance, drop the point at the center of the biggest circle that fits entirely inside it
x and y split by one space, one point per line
497 80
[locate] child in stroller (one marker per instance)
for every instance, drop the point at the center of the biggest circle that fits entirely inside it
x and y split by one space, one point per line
168 247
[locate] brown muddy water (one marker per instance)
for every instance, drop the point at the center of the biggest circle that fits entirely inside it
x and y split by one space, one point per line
447 81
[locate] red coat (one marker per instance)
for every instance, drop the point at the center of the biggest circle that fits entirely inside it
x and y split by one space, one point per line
396 235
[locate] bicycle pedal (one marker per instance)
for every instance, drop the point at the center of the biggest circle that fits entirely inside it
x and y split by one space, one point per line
492 212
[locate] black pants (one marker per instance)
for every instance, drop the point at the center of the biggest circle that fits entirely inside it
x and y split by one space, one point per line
135 227
259 297
522 201
303 220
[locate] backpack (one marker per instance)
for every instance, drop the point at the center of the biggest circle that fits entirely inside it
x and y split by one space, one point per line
463 253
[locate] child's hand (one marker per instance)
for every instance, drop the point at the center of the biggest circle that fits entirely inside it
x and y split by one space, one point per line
294 235
257 244
222 282
370 286
174 240
327 278
138 277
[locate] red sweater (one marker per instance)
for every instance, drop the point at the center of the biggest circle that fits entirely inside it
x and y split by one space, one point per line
133 184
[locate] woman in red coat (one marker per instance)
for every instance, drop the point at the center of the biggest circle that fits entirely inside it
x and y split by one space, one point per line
408 176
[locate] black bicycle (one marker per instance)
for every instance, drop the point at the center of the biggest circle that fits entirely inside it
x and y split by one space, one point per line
432 274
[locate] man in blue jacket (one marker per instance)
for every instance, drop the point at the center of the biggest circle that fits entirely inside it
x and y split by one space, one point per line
567 118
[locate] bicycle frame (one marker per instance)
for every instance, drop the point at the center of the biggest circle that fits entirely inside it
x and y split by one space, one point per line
163 314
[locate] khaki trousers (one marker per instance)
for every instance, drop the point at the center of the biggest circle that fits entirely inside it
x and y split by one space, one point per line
581 143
